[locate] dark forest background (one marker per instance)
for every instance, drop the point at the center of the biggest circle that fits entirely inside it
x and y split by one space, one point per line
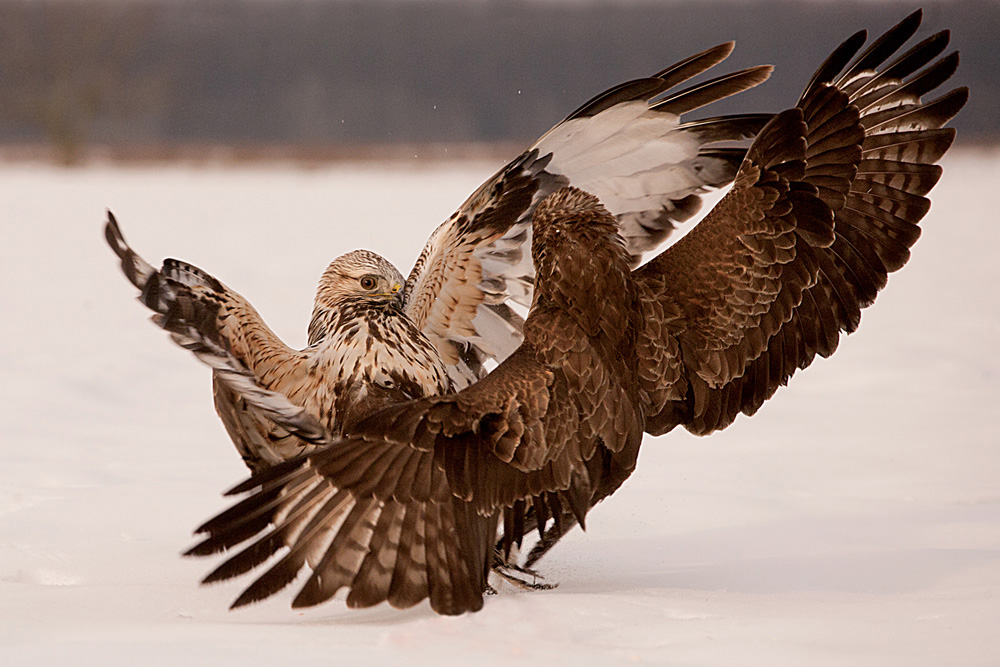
338 77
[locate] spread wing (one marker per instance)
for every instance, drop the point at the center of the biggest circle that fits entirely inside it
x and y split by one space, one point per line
825 206
407 508
254 373
631 147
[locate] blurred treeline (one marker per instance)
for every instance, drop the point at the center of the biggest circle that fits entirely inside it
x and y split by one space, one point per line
298 75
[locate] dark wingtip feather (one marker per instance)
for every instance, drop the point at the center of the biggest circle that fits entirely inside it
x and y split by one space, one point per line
115 238
269 583
265 476
206 547
696 64
252 507
579 503
247 559
713 90
111 230
836 62
243 600
630 91
919 55
886 44
957 100
935 75
930 115
135 268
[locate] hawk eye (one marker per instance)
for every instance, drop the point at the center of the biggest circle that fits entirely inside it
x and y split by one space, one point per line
368 282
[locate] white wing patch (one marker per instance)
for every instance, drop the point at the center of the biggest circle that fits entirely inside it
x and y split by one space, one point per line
627 146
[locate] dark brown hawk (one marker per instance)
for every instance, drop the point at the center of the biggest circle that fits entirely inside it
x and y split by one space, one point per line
405 503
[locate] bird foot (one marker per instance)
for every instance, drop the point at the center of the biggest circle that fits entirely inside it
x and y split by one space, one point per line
521 577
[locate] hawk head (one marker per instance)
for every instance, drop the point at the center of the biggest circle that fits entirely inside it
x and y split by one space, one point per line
360 277
353 284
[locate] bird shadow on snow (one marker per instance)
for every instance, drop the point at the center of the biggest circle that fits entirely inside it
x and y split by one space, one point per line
875 555
334 612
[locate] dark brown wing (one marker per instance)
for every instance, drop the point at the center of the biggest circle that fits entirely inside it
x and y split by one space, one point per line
824 207
408 507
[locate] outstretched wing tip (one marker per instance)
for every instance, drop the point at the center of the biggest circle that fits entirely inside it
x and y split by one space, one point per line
244 600
113 234
869 165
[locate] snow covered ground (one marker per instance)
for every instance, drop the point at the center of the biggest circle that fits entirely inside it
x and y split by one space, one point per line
855 520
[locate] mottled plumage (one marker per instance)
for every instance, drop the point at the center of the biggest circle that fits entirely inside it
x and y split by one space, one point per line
364 353
407 504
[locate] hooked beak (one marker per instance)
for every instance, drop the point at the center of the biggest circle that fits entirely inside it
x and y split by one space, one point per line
396 294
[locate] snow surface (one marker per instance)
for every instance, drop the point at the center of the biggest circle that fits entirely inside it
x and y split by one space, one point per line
854 520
